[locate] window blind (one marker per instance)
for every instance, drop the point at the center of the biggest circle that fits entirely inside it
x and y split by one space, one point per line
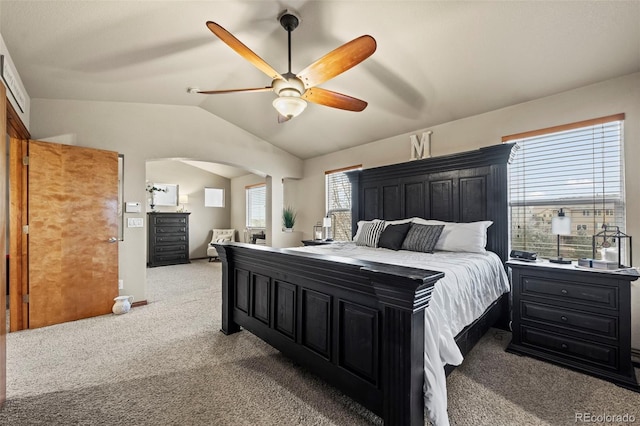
579 170
338 202
256 206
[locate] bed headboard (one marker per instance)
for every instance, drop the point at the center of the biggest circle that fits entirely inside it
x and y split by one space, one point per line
464 187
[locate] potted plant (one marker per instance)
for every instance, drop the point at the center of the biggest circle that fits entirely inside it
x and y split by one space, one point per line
288 218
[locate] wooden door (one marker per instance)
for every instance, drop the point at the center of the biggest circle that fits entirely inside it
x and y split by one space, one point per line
73 249
3 227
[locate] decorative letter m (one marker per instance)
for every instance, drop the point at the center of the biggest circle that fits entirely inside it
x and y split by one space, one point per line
418 146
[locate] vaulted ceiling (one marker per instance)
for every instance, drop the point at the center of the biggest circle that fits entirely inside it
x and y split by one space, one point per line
436 61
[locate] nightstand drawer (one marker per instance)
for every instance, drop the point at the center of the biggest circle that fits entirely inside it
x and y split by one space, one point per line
580 321
580 350
574 292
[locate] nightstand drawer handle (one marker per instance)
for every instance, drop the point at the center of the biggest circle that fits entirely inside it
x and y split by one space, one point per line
564 291
563 318
564 346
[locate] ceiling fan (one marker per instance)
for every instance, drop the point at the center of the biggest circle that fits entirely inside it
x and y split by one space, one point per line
294 90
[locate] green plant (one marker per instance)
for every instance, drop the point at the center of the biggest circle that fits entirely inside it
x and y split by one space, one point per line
288 217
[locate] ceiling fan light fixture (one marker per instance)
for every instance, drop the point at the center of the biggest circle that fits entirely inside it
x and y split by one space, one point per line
289 106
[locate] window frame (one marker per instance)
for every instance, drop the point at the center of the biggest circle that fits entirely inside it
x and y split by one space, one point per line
248 215
579 241
341 215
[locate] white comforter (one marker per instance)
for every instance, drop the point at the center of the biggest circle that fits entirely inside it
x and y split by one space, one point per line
471 283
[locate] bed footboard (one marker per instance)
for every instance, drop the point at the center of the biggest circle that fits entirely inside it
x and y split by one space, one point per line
358 325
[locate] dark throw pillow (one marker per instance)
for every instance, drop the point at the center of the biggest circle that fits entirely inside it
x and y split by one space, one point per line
393 236
422 237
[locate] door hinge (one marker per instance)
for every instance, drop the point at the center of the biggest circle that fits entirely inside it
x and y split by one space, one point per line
25 160
25 229
25 298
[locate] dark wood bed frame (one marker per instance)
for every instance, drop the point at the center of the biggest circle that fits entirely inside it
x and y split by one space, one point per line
360 325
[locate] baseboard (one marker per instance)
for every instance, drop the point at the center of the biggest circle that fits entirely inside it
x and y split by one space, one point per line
139 303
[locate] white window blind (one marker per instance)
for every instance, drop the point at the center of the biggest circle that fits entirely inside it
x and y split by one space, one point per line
580 170
256 206
338 203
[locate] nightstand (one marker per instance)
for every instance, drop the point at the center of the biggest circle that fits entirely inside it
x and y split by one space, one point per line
577 318
316 242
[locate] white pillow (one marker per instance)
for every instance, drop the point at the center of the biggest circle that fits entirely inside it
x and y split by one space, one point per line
466 237
223 238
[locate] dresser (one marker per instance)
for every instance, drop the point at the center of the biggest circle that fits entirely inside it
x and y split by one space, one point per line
577 318
168 242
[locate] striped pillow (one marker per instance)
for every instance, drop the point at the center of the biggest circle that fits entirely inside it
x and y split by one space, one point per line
422 238
370 234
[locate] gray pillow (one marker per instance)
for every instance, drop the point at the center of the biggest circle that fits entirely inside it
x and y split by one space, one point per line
422 238
370 234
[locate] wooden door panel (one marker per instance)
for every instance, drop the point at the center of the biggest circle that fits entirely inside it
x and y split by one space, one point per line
73 268
3 274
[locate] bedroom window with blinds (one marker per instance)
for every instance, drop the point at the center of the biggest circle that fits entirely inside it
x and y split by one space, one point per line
256 205
576 167
338 202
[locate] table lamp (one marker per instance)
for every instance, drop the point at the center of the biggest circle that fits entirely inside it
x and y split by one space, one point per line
560 225
326 223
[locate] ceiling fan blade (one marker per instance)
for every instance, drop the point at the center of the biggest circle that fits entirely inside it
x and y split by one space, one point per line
338 61
243 50
333 99
219 92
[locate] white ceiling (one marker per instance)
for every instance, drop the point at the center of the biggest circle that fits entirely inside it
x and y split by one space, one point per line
435 61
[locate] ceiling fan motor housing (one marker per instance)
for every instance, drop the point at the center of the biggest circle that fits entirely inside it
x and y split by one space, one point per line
288 21
289 86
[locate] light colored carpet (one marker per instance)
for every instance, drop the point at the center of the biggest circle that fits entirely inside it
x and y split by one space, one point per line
167 363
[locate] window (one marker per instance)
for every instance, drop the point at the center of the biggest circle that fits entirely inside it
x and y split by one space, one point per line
577 167
256 205
338 207
214 197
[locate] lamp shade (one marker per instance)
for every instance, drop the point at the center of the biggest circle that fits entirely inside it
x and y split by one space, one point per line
326 222
289 106
184 199
561 224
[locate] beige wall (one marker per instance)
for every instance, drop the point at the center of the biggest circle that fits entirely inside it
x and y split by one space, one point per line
145 132
24 114
598 100
239 205
192 181
239 209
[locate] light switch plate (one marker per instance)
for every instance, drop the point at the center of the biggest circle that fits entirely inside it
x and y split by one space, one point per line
135 222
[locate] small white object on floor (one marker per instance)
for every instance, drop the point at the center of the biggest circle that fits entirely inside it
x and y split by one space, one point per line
122 305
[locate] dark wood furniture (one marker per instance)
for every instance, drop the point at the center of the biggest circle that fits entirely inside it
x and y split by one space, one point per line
360 325
576 318
316 242
168 242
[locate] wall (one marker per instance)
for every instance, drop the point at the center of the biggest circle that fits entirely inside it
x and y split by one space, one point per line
191 181
24 113
145 132
239 208
239 205
598 100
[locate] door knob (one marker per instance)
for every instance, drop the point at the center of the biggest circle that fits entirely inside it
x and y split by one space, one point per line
112 240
